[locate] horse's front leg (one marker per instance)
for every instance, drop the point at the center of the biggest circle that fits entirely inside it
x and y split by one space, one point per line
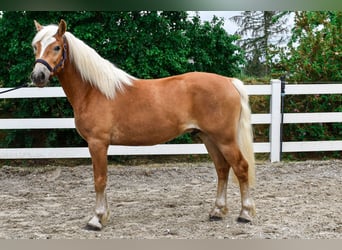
98 152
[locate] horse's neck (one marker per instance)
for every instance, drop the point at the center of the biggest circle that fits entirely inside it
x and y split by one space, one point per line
73 85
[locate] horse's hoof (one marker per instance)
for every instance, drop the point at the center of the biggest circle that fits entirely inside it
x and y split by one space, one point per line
243 220
94 224
215 218
218 214
246 215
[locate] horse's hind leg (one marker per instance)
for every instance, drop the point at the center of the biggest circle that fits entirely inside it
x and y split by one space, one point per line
236 160
222 169
98 153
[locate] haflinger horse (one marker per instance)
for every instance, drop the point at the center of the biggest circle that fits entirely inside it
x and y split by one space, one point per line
112 107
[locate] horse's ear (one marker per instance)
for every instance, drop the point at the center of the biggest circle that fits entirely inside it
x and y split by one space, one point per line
38 26
61 28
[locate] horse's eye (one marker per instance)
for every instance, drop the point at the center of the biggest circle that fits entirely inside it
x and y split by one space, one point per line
34 49
57 48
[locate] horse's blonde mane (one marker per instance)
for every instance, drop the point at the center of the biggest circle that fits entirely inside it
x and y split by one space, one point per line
94 69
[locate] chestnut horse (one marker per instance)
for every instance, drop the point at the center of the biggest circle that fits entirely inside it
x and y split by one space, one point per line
112 107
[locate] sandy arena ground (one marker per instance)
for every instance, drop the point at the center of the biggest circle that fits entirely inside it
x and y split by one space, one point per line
293 200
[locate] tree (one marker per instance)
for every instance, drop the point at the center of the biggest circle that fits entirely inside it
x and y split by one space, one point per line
212 49
146 44
314 51
259 30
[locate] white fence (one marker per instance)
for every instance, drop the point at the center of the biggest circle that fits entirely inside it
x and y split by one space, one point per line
274 119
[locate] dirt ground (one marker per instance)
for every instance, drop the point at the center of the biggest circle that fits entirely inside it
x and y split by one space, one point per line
172 200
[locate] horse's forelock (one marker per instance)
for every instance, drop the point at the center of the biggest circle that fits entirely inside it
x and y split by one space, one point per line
46 32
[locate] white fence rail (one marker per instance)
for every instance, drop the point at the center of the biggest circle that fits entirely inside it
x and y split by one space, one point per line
274 119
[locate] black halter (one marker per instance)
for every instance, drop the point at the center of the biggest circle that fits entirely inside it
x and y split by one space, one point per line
61 62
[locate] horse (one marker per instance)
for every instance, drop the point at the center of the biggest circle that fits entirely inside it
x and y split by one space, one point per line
111 107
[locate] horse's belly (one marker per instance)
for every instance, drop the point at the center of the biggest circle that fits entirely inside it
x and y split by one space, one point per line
145 134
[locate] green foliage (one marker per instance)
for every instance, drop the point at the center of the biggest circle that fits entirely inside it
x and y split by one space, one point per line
210 52
146 44
314 51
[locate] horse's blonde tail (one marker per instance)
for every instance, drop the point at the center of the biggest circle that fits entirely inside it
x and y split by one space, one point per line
245 132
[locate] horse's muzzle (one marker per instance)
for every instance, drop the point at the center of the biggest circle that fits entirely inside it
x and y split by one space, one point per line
40 75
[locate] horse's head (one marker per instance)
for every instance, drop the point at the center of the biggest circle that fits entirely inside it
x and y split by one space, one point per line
49 46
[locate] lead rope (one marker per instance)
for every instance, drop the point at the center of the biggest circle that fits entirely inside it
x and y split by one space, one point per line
15 88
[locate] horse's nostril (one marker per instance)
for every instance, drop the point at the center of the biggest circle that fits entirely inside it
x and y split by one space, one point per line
41 76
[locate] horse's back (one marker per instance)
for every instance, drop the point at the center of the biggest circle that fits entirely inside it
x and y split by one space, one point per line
206 101
194 83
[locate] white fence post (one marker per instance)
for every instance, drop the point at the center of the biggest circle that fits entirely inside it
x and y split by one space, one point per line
275 120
